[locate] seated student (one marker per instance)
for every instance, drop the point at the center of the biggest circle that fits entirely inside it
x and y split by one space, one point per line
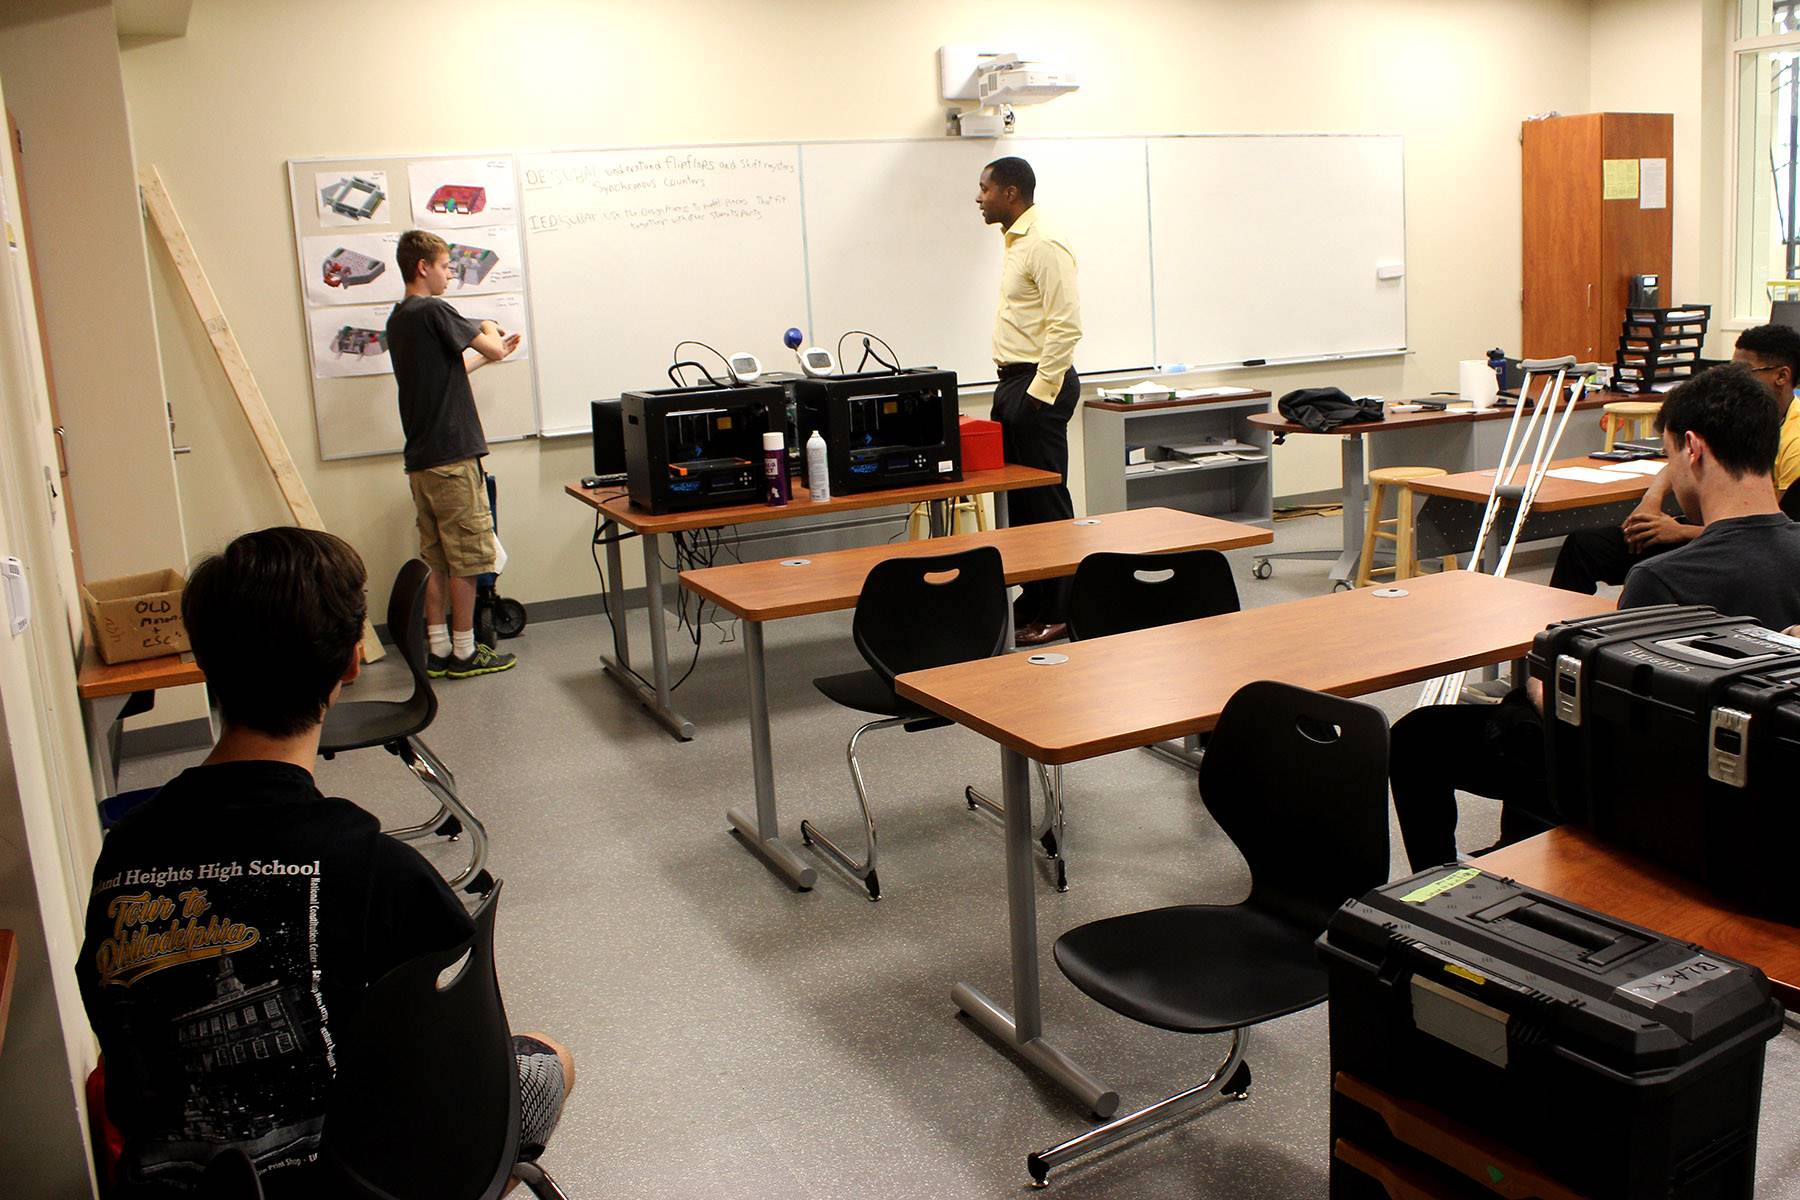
1596 556
238 917
1720 431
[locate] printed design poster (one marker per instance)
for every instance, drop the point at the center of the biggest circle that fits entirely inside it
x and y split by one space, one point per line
352 268
349 340
484 260
463 193
352 198
507 310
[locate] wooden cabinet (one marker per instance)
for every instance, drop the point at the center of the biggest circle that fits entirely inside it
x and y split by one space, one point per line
1581 249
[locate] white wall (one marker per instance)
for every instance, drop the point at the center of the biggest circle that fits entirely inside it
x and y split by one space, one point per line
221 109
1669 56
60 62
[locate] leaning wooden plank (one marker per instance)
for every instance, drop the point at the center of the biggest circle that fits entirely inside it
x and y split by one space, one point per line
237 370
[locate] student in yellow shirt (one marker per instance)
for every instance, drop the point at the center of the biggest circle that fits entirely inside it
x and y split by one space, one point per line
1035 332
1595 556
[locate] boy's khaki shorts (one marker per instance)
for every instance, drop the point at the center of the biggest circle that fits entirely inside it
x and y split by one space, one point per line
456 527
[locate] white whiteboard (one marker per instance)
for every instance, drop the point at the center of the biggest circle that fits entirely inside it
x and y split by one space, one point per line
633 250
896 245
1267 247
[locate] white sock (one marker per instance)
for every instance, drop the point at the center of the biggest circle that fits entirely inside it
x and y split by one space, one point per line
438 639
462 643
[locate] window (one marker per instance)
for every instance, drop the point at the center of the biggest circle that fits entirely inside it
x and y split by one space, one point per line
271 1008
1766 67
250 1015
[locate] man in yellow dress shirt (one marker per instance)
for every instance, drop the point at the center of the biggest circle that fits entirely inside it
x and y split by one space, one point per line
1035 331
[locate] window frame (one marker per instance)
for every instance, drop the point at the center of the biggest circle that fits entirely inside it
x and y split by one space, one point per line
1737 49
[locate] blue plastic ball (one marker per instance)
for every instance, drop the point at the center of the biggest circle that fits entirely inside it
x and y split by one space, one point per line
793 338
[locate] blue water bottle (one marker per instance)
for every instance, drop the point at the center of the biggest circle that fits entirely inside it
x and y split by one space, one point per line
1497 362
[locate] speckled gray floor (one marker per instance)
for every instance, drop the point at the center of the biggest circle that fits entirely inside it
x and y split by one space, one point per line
736 1039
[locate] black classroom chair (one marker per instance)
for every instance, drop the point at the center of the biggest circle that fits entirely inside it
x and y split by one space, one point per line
1121 593
231 1175
1790 500
425 1103
395 726
1298 781
913 613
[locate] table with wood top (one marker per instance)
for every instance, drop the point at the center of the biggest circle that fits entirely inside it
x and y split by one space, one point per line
105 690
1574 864
617 512
1117 693
1456 439
757 592
1560 507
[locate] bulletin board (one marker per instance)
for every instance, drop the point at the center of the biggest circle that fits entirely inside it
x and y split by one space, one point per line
348 215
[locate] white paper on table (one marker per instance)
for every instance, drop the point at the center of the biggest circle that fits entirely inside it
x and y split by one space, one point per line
1641 466
1582 475
1653 183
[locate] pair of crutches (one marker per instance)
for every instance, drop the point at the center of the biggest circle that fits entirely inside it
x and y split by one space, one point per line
1544 415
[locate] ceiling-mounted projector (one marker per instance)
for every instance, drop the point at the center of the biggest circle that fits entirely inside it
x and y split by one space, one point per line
1009 79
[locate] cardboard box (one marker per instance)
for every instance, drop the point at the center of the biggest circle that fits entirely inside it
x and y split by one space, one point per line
137 616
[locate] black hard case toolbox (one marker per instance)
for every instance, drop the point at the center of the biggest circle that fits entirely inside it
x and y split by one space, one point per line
1624 1063
1675 732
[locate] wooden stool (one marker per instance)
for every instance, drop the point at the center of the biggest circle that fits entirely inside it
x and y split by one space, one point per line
959 507
1405 564
1639 415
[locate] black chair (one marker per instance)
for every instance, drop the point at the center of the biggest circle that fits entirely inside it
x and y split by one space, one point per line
1298 781
231 1175
425 1102
913 613
395 726
1790 500
1122 593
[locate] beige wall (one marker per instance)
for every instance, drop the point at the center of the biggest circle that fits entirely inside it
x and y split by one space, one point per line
60 62
1669 56
257 81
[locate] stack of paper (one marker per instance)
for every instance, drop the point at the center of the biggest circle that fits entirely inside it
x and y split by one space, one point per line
1137 393
1639 466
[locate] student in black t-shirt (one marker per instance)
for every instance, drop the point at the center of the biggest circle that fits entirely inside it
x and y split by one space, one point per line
238 917
434 350
1720 431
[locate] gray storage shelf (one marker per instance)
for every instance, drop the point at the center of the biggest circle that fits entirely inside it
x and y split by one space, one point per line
1234 491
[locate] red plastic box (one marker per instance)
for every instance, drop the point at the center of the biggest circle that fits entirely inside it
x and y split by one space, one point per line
981 447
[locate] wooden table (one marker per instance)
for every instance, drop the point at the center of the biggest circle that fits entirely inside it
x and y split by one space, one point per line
1120 692
1427 430
1553 511
758 592
104 692
1575 865
617 512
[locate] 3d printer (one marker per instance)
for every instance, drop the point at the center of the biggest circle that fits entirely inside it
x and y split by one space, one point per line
698 447
883 429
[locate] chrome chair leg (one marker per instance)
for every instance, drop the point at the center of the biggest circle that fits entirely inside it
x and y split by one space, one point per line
1231 1081
1052 832
414 833
864 871
431 771
539 1181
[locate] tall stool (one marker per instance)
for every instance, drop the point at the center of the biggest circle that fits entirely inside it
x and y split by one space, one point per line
1381 479
959 507
1639 416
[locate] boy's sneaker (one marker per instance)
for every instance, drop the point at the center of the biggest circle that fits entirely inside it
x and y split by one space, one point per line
436 665
485 661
